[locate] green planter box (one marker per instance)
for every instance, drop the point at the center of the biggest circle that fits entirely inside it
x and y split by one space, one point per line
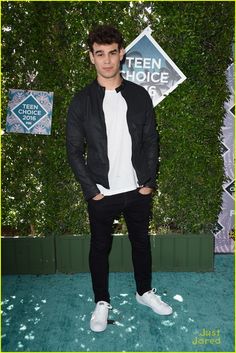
69 254
28 255
170 252
72 253
183 252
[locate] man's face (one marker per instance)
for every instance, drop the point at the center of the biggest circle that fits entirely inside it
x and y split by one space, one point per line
106 58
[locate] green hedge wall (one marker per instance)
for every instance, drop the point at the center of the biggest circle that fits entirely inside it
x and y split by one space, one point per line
43 48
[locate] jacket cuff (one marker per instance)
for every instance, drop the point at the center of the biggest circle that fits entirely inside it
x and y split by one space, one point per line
89 194
150 185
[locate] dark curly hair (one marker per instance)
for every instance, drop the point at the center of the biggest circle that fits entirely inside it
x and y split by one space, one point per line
105 34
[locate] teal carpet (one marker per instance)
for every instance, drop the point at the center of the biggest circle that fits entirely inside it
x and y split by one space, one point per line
52 313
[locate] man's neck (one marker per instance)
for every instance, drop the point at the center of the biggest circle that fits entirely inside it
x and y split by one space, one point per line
110 83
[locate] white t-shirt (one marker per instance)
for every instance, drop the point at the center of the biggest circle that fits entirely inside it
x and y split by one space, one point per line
122 176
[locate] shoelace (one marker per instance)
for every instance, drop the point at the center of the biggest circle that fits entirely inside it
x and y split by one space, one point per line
153 296
102 304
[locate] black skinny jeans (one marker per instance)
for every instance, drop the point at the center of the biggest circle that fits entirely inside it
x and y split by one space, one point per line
136 209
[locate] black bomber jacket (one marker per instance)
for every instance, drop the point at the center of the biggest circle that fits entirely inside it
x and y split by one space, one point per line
86 138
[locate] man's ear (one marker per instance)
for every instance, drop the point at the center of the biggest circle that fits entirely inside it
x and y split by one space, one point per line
91 57
122 53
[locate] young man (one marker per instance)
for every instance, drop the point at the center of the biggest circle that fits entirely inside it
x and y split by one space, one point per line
116 121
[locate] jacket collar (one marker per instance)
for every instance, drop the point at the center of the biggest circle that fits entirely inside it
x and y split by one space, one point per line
118 89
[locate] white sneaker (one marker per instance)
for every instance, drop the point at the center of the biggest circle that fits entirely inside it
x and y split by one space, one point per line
98 322
154 302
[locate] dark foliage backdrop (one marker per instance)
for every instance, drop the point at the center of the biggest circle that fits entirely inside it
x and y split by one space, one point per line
43 48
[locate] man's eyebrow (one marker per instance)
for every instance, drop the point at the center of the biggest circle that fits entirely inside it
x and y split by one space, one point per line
102 51
98 51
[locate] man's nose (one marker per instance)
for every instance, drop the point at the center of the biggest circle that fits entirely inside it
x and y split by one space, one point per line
107 59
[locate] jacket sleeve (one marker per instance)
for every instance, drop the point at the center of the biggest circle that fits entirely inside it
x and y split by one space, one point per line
75 144
151 143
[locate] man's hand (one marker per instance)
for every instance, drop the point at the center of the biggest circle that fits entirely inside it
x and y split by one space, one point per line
145 190
98 197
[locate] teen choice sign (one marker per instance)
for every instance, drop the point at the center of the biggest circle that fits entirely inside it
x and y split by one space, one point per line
148 65
29 112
